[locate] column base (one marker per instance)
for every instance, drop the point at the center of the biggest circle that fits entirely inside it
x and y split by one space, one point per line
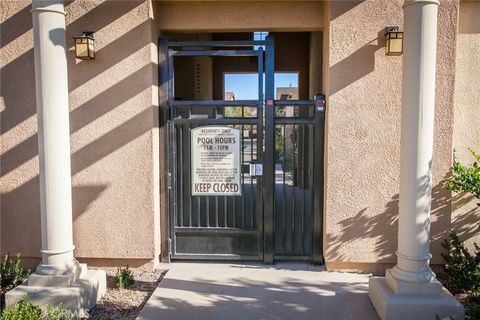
420 306
48 276
432 287
79 296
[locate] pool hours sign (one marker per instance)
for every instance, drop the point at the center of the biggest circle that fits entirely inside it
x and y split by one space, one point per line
216 161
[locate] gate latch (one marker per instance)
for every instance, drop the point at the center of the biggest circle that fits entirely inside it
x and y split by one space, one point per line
256 169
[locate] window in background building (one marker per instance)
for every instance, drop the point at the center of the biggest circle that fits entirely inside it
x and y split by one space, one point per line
259 36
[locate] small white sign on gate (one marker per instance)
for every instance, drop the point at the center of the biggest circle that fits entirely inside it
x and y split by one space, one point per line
216 161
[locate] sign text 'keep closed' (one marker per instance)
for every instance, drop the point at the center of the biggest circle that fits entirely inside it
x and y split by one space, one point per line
216 161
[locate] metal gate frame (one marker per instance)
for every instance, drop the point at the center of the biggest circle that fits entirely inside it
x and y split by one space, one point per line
265 205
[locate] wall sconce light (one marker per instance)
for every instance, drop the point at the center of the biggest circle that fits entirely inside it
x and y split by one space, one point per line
393 41
85 46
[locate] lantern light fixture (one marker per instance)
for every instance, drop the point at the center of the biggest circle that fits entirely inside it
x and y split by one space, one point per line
85 46
393 41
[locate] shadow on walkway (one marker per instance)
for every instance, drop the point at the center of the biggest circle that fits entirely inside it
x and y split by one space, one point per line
225 291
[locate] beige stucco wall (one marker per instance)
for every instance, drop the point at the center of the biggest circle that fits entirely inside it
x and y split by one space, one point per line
239 15
466 132
114 133
116 149
363 86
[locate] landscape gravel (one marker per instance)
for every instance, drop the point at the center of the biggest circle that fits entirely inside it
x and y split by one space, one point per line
125 304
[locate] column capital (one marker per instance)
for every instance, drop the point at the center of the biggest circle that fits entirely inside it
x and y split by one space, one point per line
420 2
54 6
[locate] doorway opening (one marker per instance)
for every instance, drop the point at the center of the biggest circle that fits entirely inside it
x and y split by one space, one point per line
257 88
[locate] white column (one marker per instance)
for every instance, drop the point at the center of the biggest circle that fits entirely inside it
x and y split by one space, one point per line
418 101
51 84
410 290
59 278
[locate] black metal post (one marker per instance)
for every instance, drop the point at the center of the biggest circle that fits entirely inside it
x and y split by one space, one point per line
319 132
164 133
259 190
269 159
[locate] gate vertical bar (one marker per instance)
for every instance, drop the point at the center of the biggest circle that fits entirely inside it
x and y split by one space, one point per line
172 150
252 211
294 193
284 193
319 133
308 240
187 176
259 191
179 143
269 160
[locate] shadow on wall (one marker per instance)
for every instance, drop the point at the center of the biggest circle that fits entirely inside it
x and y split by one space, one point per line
441 219
342 7
467 222
21 68
83 196
20 205
16 25
384 228
359 64
469 22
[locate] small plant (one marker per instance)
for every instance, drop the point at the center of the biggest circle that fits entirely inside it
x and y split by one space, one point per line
462 268
472 304
465 178
124 277
23 310
11 273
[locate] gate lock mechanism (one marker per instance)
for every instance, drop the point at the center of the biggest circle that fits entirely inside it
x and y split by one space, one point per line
320 102
256 169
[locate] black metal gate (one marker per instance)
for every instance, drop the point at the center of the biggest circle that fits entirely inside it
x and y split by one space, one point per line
279 212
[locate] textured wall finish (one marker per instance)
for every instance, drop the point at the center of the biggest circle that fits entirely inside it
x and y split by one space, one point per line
239 15
363 124
363 129
116 149
467 113
113 132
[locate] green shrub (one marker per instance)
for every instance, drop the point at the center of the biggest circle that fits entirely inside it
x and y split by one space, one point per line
124 277
472 304
11 273
25 310
462 268
465 178
22 311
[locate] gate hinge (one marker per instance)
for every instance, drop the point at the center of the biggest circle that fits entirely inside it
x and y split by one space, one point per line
169 180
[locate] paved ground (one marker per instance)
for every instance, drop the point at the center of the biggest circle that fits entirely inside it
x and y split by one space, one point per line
209 291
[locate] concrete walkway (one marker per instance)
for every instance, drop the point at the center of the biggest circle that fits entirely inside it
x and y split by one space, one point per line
290 291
